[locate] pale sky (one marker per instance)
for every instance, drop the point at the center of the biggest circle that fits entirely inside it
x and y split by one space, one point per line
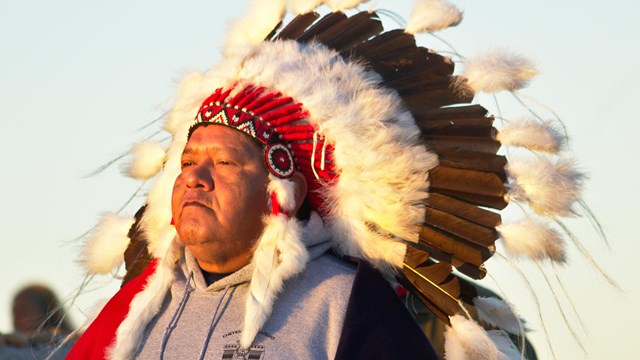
79 78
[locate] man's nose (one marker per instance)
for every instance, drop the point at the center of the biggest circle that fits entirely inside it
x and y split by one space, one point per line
201 176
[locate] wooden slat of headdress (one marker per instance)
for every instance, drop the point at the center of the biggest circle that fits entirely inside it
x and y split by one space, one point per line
395 67
467 181
463 210
474 161
297 26
472 271
383 44
472 144
435 284
454 113
454 246
494 202
321 26
351 32
461 228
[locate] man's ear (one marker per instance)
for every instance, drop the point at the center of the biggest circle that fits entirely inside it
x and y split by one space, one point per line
301 190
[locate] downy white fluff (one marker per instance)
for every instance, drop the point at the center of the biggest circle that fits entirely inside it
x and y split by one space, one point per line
299 7
549 186
498 69
342 5
466 340
382 169
147 160
533 239
145 306
533 135
186 102
498 313
105 248
278 256
285 191
432 16
262 17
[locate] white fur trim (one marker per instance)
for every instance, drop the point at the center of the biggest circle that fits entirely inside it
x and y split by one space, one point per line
147 160
144 306
432 16
285 191
533 135
280 254
498 69
466 340
157 215
532 239
299 7
550 186
255 26
382 169
186 101
314 231
342 5
103 251
498 313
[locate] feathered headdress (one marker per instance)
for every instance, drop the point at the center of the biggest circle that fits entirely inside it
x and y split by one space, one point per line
402 168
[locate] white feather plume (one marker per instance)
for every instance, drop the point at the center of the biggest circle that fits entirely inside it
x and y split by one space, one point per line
466 340
506 346
298 7
105 248
280 254
186 102
532 239
550 186
147 160
533 135
498 313
432 16
254 27
285 191
342 5
497 70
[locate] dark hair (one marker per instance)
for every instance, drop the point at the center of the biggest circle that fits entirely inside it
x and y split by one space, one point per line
51 315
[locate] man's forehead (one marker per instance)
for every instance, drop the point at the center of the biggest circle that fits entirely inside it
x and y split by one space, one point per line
219 137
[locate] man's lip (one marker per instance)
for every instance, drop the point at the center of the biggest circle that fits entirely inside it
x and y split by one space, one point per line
194 202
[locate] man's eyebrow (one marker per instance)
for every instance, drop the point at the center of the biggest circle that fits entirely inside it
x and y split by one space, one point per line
215 147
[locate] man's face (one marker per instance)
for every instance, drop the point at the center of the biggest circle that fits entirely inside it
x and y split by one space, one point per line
220 196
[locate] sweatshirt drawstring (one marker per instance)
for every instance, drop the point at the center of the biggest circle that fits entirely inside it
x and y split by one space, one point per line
173 321
212 324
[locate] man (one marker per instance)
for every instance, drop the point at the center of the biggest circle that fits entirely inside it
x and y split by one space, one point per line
219 203
306 150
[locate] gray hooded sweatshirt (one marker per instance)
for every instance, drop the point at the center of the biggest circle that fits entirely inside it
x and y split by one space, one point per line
197 321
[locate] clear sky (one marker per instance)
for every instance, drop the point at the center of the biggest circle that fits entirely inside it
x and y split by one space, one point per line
79 78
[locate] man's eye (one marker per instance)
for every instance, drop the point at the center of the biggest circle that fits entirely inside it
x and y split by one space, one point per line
223 162
186 164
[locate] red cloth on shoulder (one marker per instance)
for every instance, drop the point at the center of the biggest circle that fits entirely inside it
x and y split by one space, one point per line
101 333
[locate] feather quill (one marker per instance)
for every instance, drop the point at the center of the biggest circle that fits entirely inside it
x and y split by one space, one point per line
147 160
465 339
533 135
498 313
550 186
497 70
432 16
108 241
533 239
